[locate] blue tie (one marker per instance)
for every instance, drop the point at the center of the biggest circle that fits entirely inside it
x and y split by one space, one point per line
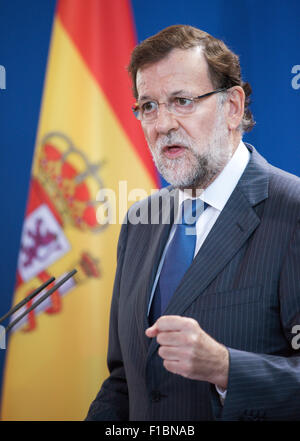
178 258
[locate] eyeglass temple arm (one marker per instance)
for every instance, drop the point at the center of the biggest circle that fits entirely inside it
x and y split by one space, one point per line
211 93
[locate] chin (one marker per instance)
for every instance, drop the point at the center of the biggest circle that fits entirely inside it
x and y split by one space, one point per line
189 177
185 182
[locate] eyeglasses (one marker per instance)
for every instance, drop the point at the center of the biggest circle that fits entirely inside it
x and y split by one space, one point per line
177 105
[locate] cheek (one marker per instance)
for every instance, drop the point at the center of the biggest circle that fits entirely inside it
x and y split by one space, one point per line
149 134
199 129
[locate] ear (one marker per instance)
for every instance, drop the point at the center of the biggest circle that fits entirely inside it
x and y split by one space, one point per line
235 107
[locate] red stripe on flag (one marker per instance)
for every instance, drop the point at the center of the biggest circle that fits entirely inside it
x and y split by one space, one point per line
103 34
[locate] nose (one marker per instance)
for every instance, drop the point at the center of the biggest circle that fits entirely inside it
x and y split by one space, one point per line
165 121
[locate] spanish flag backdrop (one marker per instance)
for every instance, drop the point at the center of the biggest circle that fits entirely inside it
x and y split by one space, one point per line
87 140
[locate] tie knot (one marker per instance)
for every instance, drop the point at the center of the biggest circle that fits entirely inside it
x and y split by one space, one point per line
191 210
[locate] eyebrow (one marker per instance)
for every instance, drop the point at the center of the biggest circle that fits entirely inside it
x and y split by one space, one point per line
180 92
144 97
177 92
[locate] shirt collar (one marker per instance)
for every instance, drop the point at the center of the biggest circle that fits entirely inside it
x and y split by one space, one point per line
219 191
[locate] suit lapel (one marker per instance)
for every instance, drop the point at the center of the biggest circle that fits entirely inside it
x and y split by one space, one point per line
233 227
231 230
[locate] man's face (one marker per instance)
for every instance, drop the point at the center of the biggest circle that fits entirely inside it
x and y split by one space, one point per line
190 150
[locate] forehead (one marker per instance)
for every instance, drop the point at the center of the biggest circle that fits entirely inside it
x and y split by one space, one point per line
181 70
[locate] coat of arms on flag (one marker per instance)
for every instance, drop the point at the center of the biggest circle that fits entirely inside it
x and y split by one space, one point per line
59 196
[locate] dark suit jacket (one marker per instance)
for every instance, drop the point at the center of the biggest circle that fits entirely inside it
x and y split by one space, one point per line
243 288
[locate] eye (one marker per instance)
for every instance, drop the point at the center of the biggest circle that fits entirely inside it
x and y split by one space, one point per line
183 102
149 106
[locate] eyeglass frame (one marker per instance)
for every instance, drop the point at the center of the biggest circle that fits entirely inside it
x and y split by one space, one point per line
135 110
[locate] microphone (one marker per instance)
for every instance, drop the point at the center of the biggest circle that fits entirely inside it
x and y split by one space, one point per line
44 297
29 297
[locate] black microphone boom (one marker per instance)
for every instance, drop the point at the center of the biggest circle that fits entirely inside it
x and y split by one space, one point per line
29 297
44 297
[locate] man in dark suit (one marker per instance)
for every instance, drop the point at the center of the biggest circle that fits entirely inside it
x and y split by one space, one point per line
203 325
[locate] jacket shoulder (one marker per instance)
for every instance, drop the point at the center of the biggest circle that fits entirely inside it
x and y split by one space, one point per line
284 186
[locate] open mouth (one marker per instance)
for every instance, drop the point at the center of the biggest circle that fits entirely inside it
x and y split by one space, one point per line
173 151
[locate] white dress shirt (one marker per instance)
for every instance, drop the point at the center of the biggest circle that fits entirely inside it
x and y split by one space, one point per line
216 196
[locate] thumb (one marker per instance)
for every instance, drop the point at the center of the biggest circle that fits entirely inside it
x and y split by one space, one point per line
152 331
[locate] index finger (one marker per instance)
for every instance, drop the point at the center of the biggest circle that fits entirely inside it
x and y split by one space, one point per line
168 323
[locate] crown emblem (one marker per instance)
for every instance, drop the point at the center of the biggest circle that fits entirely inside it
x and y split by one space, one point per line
70 180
